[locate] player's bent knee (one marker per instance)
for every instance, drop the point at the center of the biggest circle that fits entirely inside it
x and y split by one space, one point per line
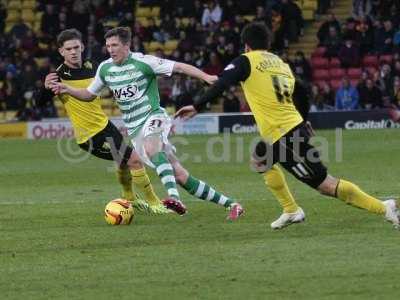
328 186
133 162
258 166
152 145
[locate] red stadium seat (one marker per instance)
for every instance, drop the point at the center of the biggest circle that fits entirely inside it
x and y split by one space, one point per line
370 61
334 63
319 63
386 58
319 52
371 70
354 82
354 73
320 74
337 73
335 84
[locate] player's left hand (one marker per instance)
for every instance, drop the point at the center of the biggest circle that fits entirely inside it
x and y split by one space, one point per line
211 79
186 112
59 88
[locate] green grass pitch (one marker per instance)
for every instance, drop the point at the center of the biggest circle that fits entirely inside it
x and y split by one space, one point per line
54 243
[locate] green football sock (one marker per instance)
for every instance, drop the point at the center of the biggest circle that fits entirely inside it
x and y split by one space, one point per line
202 190
166 173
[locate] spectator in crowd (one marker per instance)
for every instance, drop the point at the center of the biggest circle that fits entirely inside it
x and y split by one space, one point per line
396 68
19 30
349 54
362 83
365 37
183 90
395 13
12 91
179 87
293 20
328 96
50 21
185 43
370 95
28 78
385 82
384 37
396 92
332 42
346 96
230 102
317 101
230 54
212 14
214 66
277 26
261 16
362 7
128 20
349 29
38 104
301 67
325 28
230 10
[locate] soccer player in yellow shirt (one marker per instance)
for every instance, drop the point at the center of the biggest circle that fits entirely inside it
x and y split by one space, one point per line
268 85
93 130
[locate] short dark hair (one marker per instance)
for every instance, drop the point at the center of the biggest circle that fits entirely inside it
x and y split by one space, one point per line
67 35
124 34
257 36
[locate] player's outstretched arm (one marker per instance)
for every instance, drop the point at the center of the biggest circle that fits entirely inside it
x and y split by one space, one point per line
194 72
238 70
80 94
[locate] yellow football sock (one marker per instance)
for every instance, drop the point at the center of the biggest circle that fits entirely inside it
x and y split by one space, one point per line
276 182
125 179
142 181
352 194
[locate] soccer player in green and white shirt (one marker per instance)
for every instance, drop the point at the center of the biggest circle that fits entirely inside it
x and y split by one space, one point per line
132 77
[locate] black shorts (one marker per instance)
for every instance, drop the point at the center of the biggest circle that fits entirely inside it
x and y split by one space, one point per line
294 153
108 144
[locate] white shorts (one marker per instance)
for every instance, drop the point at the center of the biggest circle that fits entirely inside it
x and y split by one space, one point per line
156 125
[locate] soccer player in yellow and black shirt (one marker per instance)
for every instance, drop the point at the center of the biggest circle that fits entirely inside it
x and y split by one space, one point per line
93 130
268 85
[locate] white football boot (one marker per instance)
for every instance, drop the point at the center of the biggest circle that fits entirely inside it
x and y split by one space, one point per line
392 214
289 218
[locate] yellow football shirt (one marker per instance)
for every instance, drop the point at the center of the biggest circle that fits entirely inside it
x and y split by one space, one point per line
268 90
87 118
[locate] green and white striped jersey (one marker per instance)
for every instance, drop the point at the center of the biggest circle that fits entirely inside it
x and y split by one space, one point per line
134 85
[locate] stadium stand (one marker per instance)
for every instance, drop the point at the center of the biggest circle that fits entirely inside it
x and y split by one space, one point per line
203 33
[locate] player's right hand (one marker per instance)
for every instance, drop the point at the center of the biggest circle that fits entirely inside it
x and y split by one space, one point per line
211 79
50 79
186 112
